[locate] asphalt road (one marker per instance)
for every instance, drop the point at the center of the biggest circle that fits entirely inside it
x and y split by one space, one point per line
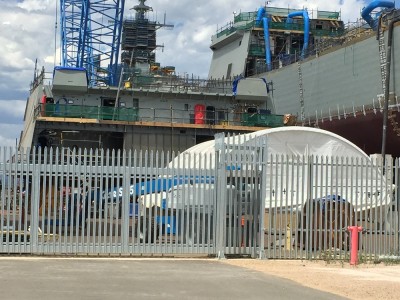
126 278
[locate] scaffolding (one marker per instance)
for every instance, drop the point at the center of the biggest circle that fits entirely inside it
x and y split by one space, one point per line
139 39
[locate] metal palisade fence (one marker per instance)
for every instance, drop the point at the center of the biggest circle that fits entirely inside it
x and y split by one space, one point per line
235 200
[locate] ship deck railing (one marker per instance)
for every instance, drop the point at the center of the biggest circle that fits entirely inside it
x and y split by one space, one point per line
281 26
176 83
246 20
283 12
156 81
156 116
376 105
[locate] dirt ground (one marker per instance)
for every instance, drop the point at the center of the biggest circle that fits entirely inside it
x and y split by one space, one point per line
365 281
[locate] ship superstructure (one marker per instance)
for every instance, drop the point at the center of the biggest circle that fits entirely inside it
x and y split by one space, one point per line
150 107
335 79
139 43
267 39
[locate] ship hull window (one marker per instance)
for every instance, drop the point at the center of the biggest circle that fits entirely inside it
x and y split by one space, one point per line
108 102
221 115
108 108
210 115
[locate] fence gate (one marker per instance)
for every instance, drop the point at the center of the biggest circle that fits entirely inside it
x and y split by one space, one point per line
240 164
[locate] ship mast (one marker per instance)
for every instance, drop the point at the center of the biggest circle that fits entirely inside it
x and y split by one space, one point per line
139 40
141 10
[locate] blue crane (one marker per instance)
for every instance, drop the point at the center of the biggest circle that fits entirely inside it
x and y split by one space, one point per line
91 36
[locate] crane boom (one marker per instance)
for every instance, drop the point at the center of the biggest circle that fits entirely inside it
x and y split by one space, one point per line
91 36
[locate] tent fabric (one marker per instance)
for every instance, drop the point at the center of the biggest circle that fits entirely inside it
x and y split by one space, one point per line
290 140
297 144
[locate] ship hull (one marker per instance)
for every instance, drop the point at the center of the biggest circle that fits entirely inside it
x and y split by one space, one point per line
338 84
366 130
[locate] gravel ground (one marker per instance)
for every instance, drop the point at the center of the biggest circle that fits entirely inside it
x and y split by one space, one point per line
365 281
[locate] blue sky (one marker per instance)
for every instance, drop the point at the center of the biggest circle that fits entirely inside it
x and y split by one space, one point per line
27 33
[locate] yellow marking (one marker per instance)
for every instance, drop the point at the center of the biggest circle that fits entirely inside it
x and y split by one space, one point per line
223 126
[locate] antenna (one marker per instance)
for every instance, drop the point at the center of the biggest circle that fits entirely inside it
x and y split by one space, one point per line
35 71
55 35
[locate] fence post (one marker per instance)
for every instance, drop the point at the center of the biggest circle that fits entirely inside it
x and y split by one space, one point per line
220 194
126 171
35 199
263 192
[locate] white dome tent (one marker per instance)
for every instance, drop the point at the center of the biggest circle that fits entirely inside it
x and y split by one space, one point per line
291 140
321 164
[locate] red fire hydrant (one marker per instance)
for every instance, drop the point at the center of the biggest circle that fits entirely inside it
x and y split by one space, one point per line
354 230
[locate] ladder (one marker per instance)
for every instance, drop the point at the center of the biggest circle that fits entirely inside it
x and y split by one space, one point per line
302 115
382 56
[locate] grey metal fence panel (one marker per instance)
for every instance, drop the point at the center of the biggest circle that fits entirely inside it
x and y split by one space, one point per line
332 194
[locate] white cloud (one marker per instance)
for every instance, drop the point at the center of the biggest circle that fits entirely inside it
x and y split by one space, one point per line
34 5
7 142
29 34
9 134
15 108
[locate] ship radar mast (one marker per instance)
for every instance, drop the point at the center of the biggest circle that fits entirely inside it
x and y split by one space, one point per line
139 41
141 10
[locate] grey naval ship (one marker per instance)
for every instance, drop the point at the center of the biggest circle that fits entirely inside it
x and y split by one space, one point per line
271 67
331 75
95 101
